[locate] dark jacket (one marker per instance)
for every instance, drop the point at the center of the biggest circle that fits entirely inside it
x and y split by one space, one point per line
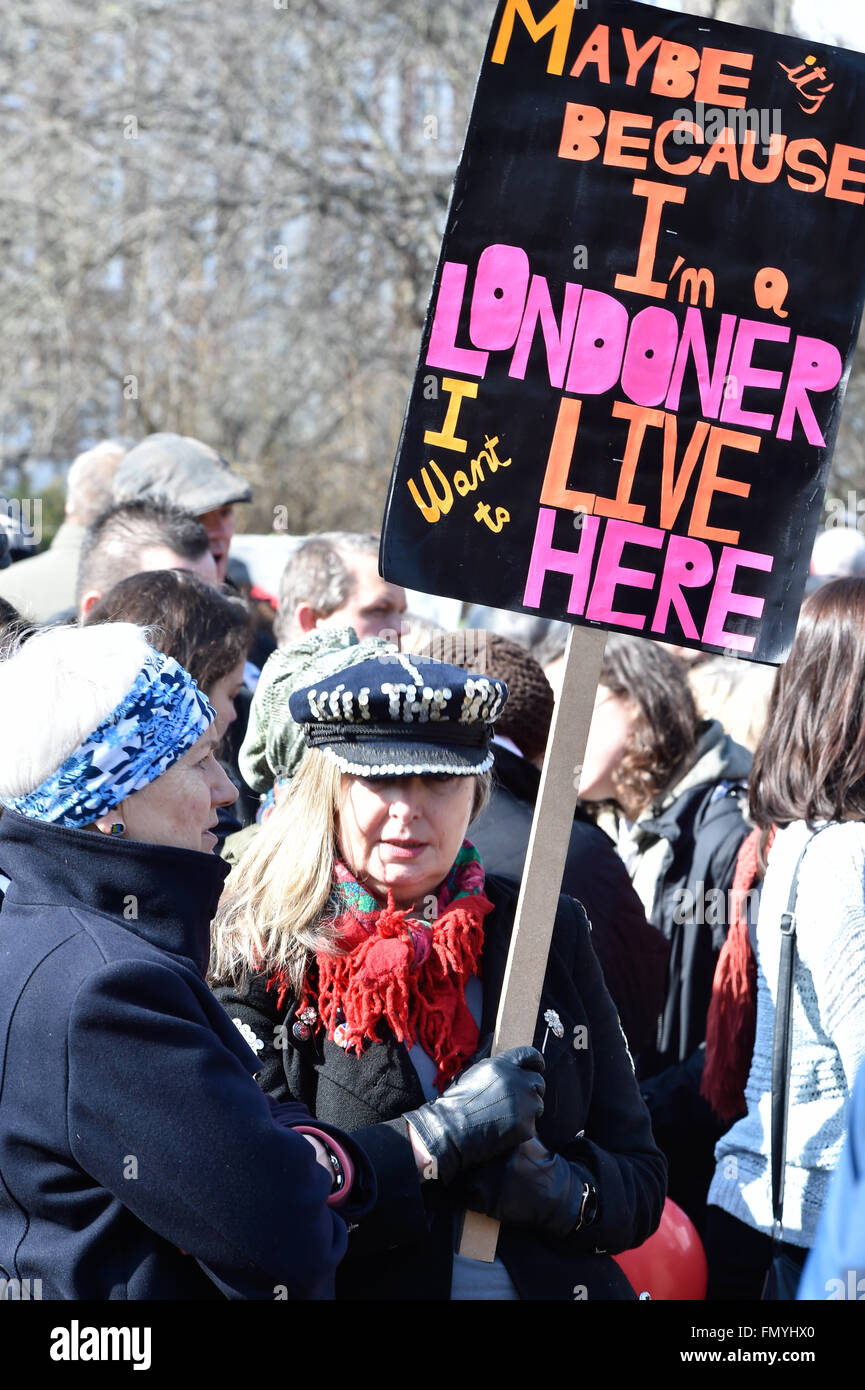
131 1129
593 1115
684 850
687 844
633 953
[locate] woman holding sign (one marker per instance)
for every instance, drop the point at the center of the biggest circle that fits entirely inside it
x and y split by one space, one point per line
363 946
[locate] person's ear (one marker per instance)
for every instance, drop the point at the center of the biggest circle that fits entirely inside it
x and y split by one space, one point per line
305 617
92 596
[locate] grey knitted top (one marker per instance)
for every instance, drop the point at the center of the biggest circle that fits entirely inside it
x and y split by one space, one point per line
828 1031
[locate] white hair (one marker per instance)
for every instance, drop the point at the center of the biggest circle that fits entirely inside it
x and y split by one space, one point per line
838 551
90 479
55 689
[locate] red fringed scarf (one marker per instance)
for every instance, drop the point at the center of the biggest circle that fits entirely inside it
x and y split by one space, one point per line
731 1022
405 972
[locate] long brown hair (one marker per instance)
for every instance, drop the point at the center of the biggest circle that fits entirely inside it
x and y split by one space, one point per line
810 764
664 733
206 630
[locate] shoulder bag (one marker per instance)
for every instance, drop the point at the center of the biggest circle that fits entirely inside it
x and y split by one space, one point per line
785 1269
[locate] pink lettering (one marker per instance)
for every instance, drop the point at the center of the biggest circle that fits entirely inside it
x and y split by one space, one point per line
816 366
611 573
499 297
742 374
687 565
546 558
442 350
724 601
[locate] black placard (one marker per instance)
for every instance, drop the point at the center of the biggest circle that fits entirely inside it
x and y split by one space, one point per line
647 298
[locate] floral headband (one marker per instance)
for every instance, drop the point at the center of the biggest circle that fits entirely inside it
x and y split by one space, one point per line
154 725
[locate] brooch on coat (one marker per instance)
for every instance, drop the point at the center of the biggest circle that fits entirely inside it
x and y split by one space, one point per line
554 1026
302 1026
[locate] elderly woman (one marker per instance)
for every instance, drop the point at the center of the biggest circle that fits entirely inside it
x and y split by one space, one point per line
139 1159
361 944
208 631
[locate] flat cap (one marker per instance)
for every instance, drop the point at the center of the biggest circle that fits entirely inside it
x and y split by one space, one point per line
190 474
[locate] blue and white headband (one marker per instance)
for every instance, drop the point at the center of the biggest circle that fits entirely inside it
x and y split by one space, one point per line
154 725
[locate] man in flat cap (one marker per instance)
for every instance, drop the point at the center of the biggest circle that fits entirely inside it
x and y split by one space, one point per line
191 475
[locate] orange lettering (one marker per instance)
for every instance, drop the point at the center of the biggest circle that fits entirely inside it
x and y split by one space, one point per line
617 139
673 488
580 125
555 491
656 195
768 172
817 177
682 166
639 416
637 56
710 482
560 18
672 75
595 50
839 170
721 151
712 74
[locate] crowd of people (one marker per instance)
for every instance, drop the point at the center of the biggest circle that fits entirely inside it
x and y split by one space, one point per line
260 857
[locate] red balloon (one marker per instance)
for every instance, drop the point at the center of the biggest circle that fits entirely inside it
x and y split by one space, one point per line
671 1264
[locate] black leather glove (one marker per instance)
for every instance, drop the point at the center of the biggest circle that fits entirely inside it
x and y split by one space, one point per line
533 1188
487 1111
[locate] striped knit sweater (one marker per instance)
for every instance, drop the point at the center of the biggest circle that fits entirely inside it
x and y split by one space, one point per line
828 1031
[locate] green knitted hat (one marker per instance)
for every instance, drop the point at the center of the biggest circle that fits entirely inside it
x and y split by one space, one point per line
274 744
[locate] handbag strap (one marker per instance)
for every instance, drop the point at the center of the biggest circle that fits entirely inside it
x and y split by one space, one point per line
782 1039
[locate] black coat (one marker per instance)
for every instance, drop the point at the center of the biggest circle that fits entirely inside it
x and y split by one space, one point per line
131 1130
632 952
703 827
593 1115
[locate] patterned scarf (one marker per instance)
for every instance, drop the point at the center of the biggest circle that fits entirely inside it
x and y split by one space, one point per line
159 718
400 970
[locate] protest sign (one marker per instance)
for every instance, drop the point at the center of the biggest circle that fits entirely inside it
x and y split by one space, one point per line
633 362
648 295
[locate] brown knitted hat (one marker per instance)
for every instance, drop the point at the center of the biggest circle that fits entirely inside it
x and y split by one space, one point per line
526 717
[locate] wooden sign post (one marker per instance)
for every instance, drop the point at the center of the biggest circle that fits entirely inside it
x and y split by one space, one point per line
542 876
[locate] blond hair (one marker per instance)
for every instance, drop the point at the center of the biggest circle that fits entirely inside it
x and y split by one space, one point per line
277 908
736 693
